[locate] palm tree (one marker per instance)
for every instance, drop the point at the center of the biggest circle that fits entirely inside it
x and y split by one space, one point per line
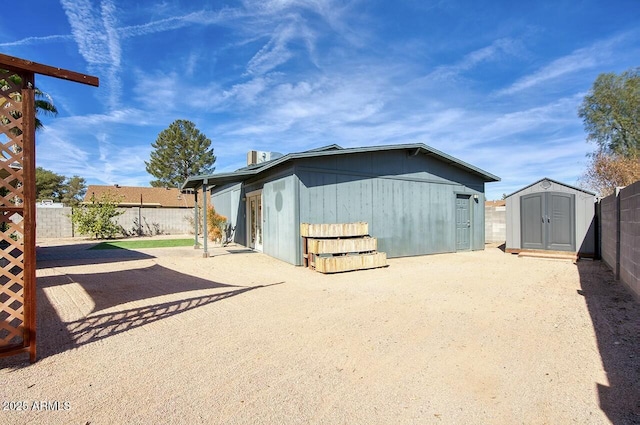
44 103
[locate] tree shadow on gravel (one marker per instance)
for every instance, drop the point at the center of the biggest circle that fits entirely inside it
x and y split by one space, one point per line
81 254
110 289
616 320
107 291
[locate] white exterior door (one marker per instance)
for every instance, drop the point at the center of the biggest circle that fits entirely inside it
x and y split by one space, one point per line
254 220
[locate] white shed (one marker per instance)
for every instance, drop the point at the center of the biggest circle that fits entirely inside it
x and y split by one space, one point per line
551 216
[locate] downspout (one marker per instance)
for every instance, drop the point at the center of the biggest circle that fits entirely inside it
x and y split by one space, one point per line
205 254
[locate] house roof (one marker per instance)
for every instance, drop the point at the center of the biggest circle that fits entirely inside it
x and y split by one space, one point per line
245 173
134 196
553 181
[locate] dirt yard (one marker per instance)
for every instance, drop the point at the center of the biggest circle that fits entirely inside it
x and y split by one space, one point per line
166 336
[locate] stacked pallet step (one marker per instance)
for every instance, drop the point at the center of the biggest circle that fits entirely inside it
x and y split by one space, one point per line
333 248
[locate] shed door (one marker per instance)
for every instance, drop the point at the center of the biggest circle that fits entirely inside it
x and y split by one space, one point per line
547 221
560 222
463 223
532 221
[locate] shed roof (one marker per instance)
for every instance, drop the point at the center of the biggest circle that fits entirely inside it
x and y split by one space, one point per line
245 173
135 196
553 181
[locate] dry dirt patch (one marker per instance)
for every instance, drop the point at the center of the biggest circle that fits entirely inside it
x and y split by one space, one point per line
481 337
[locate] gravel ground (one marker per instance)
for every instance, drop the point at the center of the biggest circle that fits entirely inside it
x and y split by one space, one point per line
166 336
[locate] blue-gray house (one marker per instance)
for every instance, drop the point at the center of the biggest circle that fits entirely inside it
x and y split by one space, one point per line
416 199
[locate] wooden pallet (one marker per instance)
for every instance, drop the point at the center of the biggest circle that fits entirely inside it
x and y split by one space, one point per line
340 230
347 263
342 246
333 248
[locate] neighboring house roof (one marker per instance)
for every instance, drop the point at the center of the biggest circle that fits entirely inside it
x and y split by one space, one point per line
498 203
134 196
553 181
330 150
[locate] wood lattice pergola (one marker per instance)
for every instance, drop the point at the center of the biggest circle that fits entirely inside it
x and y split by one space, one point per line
17 200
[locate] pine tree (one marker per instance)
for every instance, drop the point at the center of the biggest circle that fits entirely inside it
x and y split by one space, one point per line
73 191
180 151
49 185
68 190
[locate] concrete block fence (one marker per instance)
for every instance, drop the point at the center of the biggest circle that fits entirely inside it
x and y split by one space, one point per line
620 235
56 222
495 222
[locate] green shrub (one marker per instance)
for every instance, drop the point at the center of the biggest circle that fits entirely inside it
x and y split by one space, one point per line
97 218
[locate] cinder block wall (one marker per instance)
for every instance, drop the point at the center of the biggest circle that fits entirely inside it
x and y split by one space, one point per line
620 235
495 222
53 223
168 220
609 233
56 222
630 237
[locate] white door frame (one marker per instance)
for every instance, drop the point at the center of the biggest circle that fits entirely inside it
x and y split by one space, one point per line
255 241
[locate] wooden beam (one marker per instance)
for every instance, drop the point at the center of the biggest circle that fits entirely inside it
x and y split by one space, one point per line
29 213
21 65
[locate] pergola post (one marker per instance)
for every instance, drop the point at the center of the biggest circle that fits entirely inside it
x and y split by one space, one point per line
17 200
196 245
205 254
29 209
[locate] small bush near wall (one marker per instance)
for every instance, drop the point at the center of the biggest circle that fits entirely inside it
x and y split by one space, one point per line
97 219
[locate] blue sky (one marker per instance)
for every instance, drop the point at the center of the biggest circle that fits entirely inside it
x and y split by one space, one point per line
494 83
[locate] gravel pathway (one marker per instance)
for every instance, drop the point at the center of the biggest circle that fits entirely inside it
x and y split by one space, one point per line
166 336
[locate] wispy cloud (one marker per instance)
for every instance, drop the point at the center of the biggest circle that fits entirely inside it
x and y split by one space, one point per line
498 49
96 34
103 156
275 52
289 75
37 40
225 16
579 60
550 117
